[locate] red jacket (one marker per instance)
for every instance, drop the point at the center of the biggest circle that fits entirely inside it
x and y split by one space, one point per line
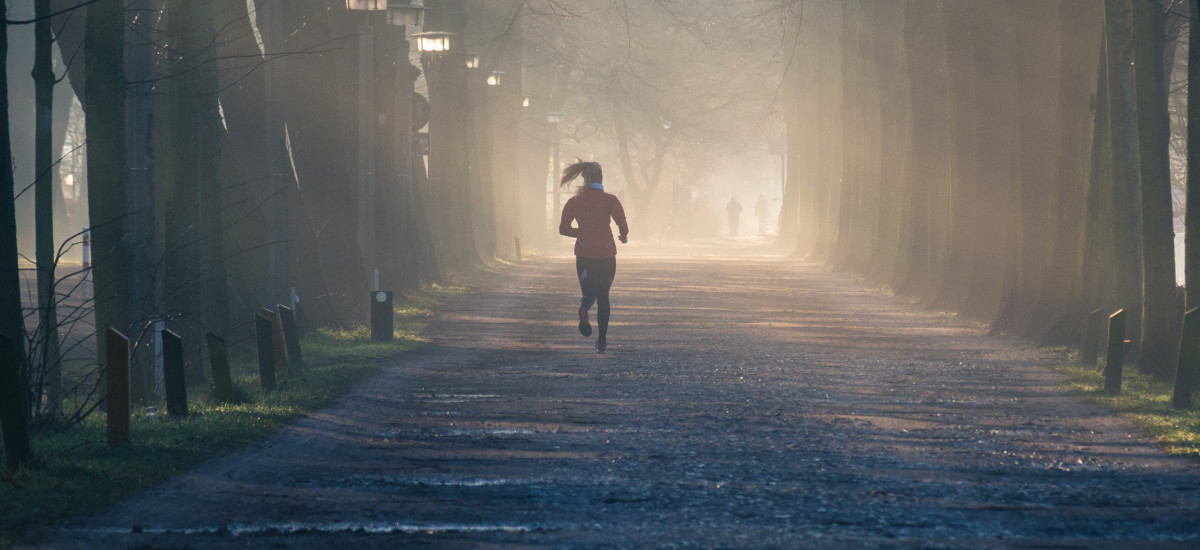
592 209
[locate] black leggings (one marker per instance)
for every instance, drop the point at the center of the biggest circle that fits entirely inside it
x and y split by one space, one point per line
595 278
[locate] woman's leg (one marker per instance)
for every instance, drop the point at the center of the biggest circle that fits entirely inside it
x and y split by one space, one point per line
587 286
607 270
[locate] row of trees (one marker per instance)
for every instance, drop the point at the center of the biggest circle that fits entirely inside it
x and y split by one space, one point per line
225 158
1009 161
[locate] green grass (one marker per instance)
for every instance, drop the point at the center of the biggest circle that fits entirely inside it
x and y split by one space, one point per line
74 471
1145 401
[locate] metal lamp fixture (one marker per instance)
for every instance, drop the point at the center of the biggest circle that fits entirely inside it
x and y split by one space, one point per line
366 5
472 61
494 78
433 41
525 103
406 15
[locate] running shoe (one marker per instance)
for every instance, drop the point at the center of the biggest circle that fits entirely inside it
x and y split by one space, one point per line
601 345
585 328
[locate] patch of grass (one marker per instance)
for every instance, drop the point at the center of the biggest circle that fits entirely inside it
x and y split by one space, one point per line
74 471
1145 401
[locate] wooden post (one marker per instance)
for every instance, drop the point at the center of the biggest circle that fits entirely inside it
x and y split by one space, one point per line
277 345
1091 339
266 352
1189 354
117 400
291 336
173 377
12 406
517 246
219 358
1115 358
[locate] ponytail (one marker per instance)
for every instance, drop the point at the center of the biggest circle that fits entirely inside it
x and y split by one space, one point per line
590 171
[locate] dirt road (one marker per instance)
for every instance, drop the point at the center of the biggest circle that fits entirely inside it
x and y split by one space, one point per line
745 402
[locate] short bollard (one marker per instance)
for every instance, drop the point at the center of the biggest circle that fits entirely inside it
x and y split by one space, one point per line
277 344
117 399
12 406
382 324
517 246
291 336
266 352
1189 354
1091 339
1115 357
173 379
218 357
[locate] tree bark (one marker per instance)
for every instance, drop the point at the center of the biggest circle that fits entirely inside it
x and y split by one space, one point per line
12 410
104 103
1126 198
1161 310
47 376
1191 262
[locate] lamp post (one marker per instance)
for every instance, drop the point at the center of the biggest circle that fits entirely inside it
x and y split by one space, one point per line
405 16
366 142
555 118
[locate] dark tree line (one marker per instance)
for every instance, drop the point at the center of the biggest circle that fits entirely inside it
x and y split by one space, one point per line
1004 160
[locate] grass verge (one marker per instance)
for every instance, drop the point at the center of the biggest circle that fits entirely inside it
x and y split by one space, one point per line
74 472
1145 401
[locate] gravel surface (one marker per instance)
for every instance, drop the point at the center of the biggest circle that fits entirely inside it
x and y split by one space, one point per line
750 401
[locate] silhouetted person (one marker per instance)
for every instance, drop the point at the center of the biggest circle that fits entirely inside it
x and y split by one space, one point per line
734 210
760 211
595 249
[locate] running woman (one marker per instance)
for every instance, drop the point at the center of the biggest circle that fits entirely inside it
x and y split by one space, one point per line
595 249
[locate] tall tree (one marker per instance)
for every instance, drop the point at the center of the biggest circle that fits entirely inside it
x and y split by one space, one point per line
47 371
140 191
12 410
195 264
1192 216
1126 199
104 103
1057 318
1160 308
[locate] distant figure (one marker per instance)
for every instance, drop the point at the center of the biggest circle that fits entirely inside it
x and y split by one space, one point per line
734 210
595 250
760 211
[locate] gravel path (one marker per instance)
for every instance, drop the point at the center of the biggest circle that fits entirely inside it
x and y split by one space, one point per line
744 402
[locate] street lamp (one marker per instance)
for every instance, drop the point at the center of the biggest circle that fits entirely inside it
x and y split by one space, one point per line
407 16
366 143
555 118
472 61
433 41
494 78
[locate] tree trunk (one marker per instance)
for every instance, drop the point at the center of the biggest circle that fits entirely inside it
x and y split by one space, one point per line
47 376
1059 316
104 103
962 84
12 411
1191 262
1161 310
140 225
1126 199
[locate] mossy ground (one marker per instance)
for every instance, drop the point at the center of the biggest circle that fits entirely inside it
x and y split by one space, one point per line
1145 401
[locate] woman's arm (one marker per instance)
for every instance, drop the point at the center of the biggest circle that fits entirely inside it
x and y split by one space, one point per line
564 225
618 215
